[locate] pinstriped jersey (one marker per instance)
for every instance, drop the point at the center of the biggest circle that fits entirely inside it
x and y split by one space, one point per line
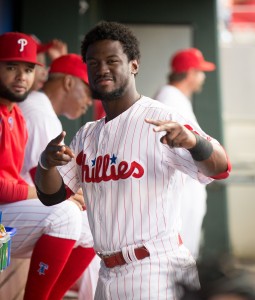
132 182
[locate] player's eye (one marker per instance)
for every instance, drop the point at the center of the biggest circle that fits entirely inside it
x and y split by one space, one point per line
112 61
29 70
10 68
91 63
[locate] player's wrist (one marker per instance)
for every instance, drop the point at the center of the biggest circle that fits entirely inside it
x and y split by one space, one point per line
202 150
42 162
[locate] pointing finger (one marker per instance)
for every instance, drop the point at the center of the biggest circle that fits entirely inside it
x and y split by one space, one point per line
159 123
68 151
59 138
156 122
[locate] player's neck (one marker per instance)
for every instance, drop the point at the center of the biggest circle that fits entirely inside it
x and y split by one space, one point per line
116 107
7 103
185 89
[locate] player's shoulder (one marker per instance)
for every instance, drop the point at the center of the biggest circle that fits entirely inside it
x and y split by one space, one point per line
32 98
37 104
150 103
156 109
91 126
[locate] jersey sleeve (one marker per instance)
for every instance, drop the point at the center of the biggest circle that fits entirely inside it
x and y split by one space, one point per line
181 159
39 135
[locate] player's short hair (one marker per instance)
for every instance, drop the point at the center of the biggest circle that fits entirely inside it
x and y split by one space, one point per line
176 77
116 32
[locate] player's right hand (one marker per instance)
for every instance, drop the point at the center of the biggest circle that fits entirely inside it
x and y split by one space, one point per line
56 153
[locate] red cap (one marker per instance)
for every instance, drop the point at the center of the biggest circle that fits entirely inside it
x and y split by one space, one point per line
190 58
71 64
41 48
16 46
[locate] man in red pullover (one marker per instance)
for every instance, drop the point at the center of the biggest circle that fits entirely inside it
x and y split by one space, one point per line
56 238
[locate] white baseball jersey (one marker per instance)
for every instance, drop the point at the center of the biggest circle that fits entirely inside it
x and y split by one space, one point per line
31 217
193 199
43 125
132 183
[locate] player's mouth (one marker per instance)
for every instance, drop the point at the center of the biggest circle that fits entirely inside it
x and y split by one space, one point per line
19 88
103 80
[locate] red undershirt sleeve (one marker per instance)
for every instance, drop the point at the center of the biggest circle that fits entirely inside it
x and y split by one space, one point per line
222 175
32 173
12 192
225 174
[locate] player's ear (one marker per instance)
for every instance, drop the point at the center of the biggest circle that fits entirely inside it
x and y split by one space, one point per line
191 72
134 66
68 82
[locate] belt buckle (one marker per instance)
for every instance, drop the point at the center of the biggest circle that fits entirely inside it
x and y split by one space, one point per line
102 256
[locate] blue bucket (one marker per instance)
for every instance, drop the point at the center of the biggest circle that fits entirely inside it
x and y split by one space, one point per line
12 231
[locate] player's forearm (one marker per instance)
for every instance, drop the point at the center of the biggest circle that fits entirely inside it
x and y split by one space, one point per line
212 160
50 186
48 181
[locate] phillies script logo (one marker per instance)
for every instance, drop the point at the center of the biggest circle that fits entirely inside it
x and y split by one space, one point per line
105 168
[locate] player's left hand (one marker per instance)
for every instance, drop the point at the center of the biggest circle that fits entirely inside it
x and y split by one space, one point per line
176 135
78 199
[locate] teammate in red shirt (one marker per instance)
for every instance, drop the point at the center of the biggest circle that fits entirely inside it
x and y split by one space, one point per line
17 71
54 237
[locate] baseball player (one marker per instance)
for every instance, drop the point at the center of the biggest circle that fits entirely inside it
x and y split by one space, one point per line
130 166
46 105
57 238
51 50
186 78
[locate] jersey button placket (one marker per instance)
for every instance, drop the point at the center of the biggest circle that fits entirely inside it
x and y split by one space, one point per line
100 196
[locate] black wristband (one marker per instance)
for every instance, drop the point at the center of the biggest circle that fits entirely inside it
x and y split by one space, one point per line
202 150
52 199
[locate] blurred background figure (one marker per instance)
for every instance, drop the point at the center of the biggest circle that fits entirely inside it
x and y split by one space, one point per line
46 53
65 92
41 231
222 280
186 78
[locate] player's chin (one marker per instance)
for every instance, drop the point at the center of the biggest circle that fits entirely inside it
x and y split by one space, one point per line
19 97
40 85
